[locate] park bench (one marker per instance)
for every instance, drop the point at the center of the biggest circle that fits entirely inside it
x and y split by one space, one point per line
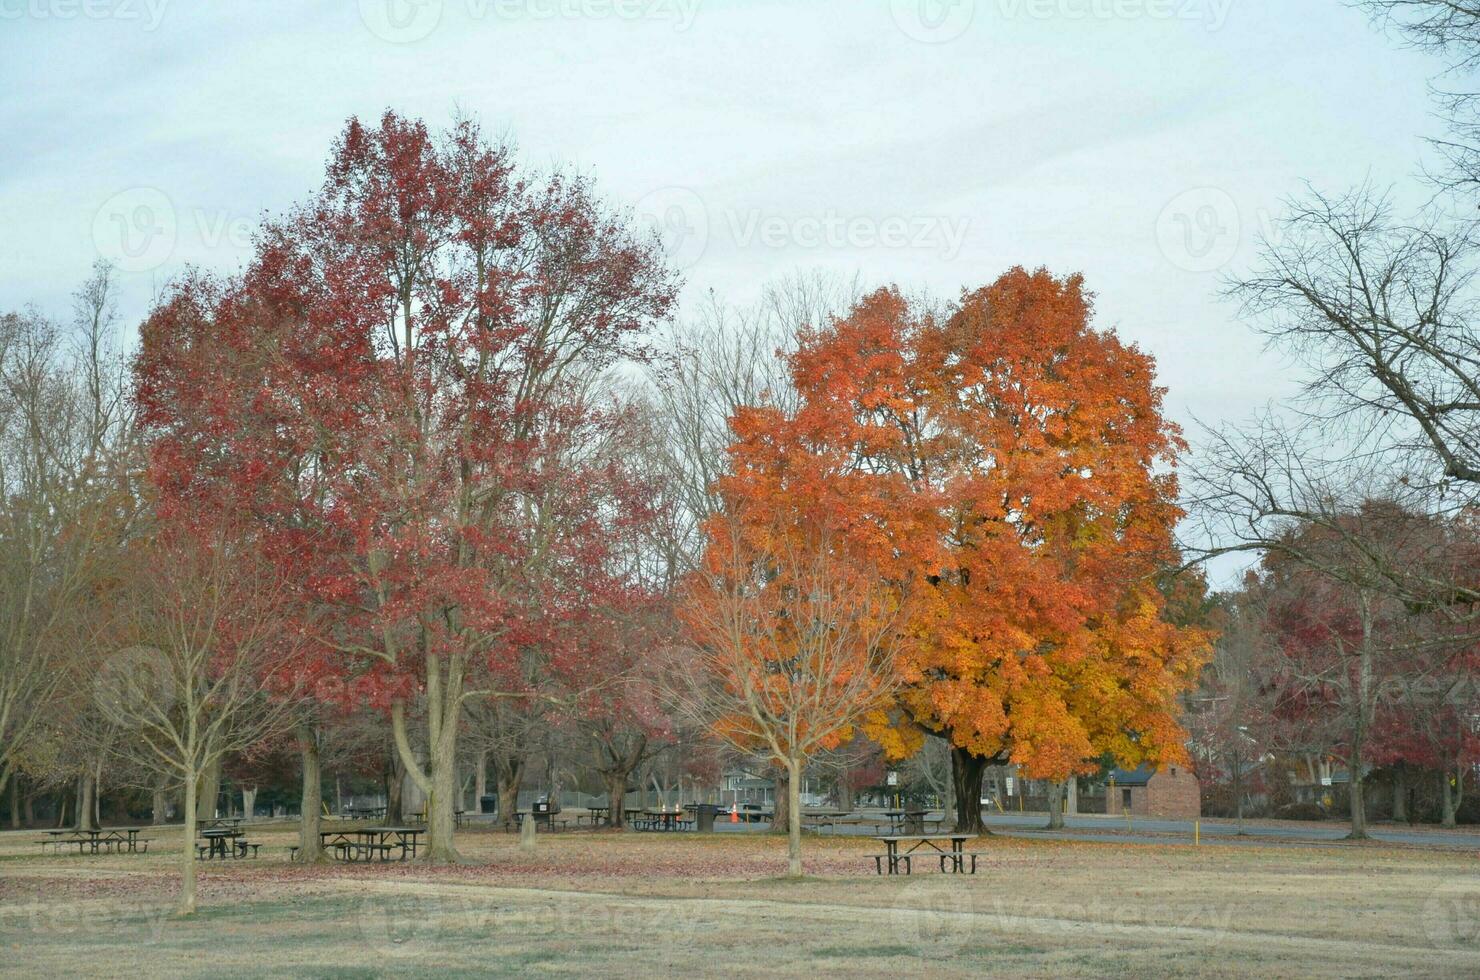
242 846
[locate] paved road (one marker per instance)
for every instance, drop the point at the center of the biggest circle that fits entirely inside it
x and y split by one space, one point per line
1145 830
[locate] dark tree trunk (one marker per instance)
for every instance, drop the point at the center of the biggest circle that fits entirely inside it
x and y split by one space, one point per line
781 805
1400 794
15 802
509 775
395 790
967 769
616 792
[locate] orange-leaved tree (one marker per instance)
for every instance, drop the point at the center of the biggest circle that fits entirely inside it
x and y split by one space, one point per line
1016 462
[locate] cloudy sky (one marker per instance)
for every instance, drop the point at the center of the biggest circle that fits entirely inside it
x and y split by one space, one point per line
929 143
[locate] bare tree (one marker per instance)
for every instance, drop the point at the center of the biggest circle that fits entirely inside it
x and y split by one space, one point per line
205 646
792 644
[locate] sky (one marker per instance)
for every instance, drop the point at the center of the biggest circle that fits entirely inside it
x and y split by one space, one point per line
930 144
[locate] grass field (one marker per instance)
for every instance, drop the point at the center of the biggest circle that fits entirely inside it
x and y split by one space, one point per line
645 904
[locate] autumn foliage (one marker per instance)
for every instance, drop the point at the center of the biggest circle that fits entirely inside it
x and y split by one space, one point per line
1013 462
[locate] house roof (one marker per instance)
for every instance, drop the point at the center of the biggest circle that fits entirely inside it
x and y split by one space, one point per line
1139 776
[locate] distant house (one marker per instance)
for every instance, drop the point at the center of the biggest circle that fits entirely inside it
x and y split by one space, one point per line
1171 791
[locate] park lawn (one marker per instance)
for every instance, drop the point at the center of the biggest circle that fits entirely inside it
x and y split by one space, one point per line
712 904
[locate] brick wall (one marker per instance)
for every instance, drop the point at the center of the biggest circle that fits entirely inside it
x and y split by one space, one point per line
1173 793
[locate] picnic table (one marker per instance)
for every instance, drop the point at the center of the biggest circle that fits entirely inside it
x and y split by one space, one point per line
98 840
820 819
221 842
222 823
364 812
665 820
955 855
600 815
908 821
365 843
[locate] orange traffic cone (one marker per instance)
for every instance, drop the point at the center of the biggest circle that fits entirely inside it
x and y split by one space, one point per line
734 813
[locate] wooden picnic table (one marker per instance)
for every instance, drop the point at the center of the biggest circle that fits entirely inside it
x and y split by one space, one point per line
933 842
363 843
105 839
217 839
600 815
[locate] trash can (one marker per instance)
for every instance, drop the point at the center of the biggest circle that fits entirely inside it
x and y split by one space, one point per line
704 817
488 804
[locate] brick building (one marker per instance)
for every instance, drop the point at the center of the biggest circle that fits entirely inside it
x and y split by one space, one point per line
1172 792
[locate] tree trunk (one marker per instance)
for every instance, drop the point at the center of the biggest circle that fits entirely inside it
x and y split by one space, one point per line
616 791
1359 726
509 776
1448 798
966 774
15 803
63 808
480 780
1071 801
1358 803
311 797
1056 805
781 802
206 792
1400 794
438 780
794 818
159 803
85 788
186 905
97 793
28 808
1238 793
395 791
249 802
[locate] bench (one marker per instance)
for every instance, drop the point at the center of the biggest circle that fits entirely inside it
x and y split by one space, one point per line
292 852
243 845
879 860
